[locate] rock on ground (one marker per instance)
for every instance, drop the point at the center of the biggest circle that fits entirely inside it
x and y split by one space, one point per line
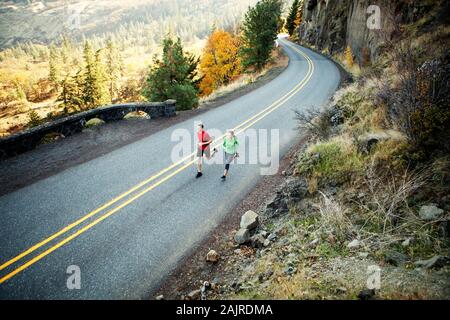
436 262
194 295
249 220
430 213
354 244
137 115
242 236
94 122
212 256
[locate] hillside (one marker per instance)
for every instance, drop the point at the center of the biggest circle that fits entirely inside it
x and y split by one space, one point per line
148 20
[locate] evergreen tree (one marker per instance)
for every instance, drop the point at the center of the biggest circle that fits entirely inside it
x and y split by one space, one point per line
259 32
88 91
35 119
66 52
114 66
54 68
95 86
101 89
173 77
71 94
291 20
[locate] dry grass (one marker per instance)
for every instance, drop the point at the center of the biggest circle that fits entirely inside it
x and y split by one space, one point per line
334 218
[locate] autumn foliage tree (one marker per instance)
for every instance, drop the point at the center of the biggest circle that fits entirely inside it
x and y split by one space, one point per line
349 57
220 62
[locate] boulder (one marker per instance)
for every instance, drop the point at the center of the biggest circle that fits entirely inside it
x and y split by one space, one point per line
160 297
242 236
289 270
430 213
395 258
406 242
366 294
272 237
137 115
314 243
436 262
257 241
249 220
363 255
194 295
367 141
291 191
354 244
212 256
94 122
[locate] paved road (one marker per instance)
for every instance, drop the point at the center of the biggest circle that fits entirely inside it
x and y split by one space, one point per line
125 248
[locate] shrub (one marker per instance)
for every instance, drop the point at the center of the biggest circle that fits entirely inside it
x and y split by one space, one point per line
316 123
386 208
336 160
35 119
418 104
333 218
349 103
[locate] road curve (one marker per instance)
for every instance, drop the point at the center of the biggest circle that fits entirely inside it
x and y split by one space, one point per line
126 218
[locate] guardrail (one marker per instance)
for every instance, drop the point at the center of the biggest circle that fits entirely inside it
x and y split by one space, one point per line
29 139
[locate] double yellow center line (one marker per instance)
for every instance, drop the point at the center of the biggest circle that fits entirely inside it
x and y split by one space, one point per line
179 166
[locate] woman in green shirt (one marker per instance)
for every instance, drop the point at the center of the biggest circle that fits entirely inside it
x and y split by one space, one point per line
230 146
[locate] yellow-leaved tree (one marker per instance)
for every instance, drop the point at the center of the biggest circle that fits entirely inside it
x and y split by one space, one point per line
220 62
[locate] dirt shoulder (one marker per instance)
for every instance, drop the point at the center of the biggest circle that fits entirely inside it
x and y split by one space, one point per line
52 158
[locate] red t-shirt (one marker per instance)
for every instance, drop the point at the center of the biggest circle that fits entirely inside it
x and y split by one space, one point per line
203 137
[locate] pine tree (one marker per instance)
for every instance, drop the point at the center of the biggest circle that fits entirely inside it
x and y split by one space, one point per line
101 89
54 67
174 76
292 20
259 32
35 119
88 91
95 83
71 94
66 52
114 66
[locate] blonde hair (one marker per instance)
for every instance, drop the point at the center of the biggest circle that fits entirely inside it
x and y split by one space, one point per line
231 131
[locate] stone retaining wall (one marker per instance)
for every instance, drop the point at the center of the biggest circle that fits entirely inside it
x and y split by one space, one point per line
28 139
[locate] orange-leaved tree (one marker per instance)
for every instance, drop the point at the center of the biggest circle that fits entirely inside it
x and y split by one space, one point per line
220 62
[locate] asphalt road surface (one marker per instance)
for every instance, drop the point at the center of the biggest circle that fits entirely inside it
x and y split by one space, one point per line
125 219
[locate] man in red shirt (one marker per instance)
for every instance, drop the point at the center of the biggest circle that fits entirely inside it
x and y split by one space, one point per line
203 150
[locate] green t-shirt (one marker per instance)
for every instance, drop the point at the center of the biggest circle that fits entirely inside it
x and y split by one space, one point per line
230 146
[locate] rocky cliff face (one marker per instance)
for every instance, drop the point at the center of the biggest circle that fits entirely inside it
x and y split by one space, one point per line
336 24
